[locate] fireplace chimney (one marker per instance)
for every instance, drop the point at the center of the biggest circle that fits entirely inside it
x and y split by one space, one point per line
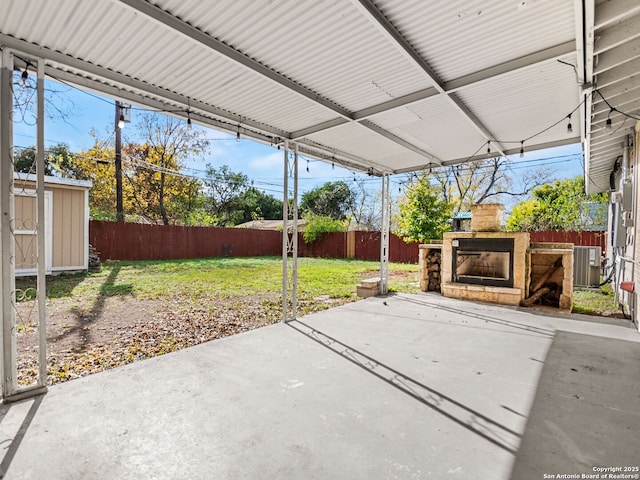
486 217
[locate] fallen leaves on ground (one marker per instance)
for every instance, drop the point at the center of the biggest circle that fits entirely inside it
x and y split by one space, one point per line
181 322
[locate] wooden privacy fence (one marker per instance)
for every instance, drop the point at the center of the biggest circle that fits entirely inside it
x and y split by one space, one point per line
134 241
586 239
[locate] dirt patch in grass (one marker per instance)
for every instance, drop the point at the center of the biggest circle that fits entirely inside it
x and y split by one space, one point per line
84 338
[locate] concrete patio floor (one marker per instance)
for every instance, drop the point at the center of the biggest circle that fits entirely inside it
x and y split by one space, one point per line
402 387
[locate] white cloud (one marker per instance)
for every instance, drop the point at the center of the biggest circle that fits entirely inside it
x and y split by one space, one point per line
267 162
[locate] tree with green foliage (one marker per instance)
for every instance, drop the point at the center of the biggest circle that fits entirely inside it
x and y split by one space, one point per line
157 162
317 225
333 199
423 214
224 189
257 205
561 205
58 160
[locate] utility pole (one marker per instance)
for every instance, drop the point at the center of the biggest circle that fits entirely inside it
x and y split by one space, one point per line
119 123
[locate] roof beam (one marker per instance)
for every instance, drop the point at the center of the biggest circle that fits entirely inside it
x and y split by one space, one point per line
620 34
541 56
616 92
516 150
385 133
618 56
391 33
611 12
618 74
166 19
450 87
125 82
622 102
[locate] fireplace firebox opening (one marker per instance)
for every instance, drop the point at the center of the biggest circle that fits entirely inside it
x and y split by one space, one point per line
483 261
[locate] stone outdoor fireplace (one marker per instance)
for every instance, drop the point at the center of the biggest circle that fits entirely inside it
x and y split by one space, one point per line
485 266
490 265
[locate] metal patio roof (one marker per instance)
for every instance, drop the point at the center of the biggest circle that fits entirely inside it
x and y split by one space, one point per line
381 85
612 69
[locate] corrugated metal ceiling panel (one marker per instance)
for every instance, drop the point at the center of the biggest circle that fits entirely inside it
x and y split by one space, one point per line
458 37
434 125
326 61
523 103
617 83
178 64
358 140
356 67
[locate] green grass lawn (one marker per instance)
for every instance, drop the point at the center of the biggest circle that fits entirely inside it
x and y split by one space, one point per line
224 277
233 277
594 301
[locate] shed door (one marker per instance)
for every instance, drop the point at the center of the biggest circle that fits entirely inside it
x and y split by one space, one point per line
25 232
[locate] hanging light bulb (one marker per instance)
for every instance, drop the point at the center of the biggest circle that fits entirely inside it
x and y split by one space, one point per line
188 119
607 125
24 77
238 134
121 122
307 166
522 149
354 178
489 146
569 126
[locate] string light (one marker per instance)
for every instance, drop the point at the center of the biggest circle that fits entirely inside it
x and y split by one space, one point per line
522 149
569 127
608 123
307 165
488 147
188 119
121 121
24 77
238 134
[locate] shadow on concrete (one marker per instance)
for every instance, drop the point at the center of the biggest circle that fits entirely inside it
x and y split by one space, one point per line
546 332
14 443
455 411
586 412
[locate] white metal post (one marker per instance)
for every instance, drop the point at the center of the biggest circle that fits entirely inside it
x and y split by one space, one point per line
285 233
7 266
41 222
294 280
384 236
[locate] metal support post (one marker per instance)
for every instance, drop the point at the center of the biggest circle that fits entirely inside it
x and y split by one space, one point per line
7 244
41 235
285 233
118 164
294 280
384 236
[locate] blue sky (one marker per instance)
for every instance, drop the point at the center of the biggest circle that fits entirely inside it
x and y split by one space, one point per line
261 163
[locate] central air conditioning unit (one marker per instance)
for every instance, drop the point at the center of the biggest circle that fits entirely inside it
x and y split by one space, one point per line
586 266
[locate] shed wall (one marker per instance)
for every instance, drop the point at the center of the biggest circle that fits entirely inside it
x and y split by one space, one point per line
69 217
